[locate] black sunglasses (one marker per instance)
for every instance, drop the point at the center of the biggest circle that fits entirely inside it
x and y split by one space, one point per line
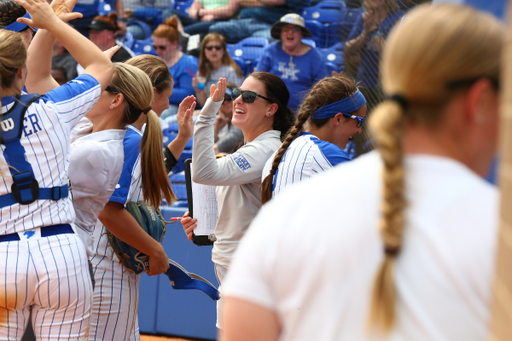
160 47
247 96
217 47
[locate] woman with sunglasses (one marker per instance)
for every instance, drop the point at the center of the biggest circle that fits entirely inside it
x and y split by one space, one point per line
400 243
215 63
182 67
297 64
261 113
333 112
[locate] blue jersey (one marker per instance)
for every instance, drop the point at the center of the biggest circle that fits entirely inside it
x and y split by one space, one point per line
182 78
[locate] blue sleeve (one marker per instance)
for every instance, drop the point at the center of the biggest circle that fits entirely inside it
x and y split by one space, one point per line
182 80
357 29
333 153
264 63
319 70
74 99
131 144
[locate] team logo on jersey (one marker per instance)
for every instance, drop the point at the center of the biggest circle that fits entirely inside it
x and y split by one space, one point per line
8 124
241 161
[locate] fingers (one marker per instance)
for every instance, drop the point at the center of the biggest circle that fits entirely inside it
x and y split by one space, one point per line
70 16
111 51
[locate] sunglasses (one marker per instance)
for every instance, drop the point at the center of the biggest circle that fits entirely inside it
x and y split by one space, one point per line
160 47
360 120
291 28
216 47
247 96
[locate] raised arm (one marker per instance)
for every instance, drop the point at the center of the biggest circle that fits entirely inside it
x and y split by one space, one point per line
82 49
185 131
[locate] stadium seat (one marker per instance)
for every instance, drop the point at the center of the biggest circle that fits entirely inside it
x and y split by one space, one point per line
333 57
144 47
183 6
128 40
144 26
249 50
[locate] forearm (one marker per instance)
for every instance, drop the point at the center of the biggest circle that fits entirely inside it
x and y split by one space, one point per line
221 12
354 46
124 226
119 6
177 146
39 64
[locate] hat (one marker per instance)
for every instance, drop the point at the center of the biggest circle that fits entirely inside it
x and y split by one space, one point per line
17 26
293 19
99 25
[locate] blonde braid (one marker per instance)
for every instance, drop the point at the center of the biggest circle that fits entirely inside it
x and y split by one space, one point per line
387 124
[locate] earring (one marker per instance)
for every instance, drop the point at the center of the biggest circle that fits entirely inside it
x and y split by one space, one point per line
111 107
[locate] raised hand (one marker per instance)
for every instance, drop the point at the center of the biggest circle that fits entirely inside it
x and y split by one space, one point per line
184 116
40 11
217 92
64 9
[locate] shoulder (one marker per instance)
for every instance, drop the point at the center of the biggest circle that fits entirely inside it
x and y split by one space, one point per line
83 85
189 60
332 152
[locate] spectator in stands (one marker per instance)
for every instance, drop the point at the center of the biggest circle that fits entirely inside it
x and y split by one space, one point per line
226 136
257 18
62 59
365 44
214 63
102 32
297 64
182 67
144 10
204 13
89 10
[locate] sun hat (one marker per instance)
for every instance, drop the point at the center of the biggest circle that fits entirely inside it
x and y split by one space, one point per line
289 19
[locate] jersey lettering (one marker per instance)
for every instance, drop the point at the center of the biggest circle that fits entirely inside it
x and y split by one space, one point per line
33 121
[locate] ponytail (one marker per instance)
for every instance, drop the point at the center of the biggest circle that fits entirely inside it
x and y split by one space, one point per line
387 124
155 180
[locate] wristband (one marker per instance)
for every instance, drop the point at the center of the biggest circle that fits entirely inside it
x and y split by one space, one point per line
123 19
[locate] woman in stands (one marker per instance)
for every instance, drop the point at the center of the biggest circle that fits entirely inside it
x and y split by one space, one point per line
384 247
297 64
261 112
181 66
50 254
215 63
333 112
143 177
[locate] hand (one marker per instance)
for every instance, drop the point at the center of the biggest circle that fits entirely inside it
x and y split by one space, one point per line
122 28
378 42
217 93
369 21
42 14
64 9
208 17
112 51
128 12
184 116
158 263
189 225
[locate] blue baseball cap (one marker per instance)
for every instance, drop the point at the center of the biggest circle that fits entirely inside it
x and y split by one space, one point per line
17 26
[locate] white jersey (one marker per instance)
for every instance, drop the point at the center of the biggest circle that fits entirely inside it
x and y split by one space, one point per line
305 157
45 137
313 261
94 170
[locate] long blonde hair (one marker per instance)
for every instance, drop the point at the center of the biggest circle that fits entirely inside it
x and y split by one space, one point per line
137 89
433 48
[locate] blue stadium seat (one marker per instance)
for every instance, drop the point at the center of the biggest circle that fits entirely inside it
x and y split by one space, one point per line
144 47
318 31
183 6
144 26
333 57
128 40
249 50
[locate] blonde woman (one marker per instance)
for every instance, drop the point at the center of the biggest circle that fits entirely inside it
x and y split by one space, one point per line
398 244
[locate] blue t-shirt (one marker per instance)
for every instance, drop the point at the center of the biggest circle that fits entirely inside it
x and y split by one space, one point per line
182 78
299 72
368 74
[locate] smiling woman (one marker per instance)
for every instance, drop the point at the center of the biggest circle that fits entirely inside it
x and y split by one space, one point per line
264 119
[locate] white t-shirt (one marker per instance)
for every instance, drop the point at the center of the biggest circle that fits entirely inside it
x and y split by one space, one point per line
94 169
312 254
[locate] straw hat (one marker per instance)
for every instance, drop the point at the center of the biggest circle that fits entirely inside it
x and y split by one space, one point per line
289 19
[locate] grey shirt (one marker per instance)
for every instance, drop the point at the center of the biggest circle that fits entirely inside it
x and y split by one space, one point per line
237 177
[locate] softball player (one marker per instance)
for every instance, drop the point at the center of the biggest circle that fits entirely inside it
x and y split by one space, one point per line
398 244
335 110
46 268
116 295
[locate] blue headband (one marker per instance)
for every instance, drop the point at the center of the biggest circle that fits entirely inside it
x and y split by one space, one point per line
17 26
346 105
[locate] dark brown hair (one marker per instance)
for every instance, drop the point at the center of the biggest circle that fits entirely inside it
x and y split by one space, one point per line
325 92
9 12
205 67
168 30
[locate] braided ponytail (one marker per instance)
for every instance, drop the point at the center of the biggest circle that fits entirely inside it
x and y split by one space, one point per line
387 124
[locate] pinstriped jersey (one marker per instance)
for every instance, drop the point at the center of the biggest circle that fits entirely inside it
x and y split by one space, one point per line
306 156
46 140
